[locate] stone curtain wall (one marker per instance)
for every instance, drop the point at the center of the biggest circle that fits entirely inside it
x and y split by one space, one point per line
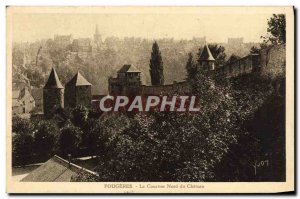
175 88
242 66
273 60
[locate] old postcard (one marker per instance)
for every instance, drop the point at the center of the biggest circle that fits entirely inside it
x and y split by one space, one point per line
150 99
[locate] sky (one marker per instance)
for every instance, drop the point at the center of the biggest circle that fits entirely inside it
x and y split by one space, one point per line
215 27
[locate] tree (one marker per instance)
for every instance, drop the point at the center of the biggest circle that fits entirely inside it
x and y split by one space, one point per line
69 140
45 138
156 66
94 138
191 68
276 30
255 50
233 58
22 141
79 115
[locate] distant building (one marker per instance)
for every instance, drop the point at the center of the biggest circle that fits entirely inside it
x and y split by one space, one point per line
63 40
81 45
235 41
127 82
199 40
22 102
53 94
56 169
78 91
97 36
206 59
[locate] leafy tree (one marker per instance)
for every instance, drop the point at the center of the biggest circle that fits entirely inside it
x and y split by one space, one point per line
69 140
80 115
94 138
255 50
22 141
45 138
233 58
191 68
156 66
276 30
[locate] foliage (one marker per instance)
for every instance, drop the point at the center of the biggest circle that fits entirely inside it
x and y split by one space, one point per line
22 140
233 58
276 30
191 68
156 66
69 140
46 138
79 115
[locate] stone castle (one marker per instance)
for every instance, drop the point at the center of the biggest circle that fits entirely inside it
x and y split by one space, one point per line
128 81
55 96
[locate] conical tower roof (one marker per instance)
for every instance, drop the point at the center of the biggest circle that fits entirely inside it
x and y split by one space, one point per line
128 68
53 80
206 54
79 80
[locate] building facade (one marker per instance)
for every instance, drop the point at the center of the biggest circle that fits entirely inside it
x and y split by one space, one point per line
22 101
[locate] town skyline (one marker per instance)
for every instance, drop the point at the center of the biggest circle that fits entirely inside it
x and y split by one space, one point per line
147 26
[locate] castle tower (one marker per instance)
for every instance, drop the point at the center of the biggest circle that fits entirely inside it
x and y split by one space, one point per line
78 92
53 94
97 36
128 81
206 59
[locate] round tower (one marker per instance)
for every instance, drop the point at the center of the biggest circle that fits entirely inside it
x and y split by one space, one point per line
53 94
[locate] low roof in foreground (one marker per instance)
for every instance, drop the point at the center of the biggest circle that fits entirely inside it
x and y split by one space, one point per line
55 169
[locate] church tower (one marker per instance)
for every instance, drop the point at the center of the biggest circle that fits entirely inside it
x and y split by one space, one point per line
53 94
206 59
97 36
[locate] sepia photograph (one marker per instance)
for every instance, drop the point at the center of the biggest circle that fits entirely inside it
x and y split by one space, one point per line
150 99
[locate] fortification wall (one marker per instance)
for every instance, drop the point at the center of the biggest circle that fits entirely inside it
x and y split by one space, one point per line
273 60
242 66
176 87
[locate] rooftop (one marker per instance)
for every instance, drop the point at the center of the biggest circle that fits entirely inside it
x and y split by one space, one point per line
53 80
206 54
55 169
128 68
79 80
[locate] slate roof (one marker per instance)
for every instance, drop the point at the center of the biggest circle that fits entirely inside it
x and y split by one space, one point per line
206 54
56 169
79 80
128 68
53 80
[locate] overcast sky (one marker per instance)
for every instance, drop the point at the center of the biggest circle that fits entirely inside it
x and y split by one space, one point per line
216 27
